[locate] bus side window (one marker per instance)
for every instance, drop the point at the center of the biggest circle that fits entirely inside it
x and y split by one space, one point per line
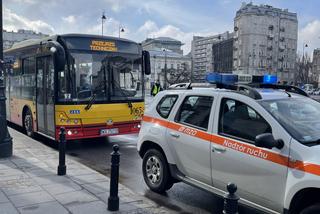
16 83
28 78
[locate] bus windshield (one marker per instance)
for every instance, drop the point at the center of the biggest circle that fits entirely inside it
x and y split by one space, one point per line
106 76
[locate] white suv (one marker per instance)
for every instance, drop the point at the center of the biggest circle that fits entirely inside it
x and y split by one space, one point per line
265 140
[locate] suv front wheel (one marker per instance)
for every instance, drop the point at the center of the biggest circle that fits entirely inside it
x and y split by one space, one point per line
156 171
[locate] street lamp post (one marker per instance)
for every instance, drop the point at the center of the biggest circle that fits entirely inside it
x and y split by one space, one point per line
191 78
165 69
249 55
103 18
5 139
154 68
121 30
304 45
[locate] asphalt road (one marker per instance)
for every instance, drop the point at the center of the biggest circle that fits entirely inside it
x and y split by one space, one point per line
181 197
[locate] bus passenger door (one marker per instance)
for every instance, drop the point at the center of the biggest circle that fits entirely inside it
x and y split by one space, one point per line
45 92
7 88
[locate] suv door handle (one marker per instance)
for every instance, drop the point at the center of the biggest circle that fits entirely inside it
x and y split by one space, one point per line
173 134
218 148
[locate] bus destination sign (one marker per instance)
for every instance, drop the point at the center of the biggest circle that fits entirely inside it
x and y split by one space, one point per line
98 45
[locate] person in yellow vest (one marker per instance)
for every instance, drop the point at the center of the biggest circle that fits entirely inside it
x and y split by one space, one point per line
155 89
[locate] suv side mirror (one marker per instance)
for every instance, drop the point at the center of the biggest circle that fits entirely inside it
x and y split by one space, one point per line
266 140
146 62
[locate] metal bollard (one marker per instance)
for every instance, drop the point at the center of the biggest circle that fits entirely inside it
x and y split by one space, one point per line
231 200
62 169
113 200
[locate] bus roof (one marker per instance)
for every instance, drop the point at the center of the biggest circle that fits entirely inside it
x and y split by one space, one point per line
96 37
35 42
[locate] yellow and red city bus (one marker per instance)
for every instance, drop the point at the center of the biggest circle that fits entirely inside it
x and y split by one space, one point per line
93 86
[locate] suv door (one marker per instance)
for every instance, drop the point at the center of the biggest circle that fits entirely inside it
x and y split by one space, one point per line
187 137
259 173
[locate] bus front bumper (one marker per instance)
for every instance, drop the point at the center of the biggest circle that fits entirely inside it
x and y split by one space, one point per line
99 130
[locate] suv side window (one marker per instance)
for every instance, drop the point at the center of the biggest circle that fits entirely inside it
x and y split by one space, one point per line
241 121
195 111
166 104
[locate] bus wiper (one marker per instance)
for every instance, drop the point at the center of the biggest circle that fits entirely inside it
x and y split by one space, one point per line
94 95
91 101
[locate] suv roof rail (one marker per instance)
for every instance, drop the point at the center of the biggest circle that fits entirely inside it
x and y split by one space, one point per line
287 88
243 89
189 85
247 89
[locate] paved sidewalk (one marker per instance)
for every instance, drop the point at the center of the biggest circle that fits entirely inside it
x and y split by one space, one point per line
29 184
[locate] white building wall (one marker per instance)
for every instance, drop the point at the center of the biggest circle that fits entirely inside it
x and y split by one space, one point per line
265 41
158 64
11 37
202 56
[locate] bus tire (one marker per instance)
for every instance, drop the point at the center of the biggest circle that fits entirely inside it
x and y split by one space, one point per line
28 123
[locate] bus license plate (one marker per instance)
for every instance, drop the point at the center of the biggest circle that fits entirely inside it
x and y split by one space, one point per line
109 131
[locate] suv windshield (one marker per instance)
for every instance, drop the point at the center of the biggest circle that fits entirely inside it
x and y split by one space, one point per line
107 76
299 116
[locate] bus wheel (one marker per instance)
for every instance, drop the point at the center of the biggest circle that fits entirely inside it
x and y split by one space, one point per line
28 123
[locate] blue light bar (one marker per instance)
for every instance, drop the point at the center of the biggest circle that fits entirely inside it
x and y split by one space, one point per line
270 79
229 78
216 78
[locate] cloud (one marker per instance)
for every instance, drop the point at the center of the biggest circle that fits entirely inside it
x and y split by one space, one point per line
150 29
13 22
111 27
25 1
69 19
116 5
310 34
170 11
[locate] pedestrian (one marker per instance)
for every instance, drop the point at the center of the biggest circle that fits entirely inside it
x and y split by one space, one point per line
155 88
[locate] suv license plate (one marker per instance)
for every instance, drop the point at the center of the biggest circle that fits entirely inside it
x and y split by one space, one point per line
109 131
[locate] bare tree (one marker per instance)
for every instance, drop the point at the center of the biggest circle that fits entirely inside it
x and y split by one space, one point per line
303 68
180 75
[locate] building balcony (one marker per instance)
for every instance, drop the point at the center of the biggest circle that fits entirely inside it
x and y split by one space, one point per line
281 48
270 37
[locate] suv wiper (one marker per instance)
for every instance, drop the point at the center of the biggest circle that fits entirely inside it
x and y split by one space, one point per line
93 96
313 142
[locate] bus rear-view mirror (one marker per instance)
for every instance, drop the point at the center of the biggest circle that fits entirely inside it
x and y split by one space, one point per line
146 62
